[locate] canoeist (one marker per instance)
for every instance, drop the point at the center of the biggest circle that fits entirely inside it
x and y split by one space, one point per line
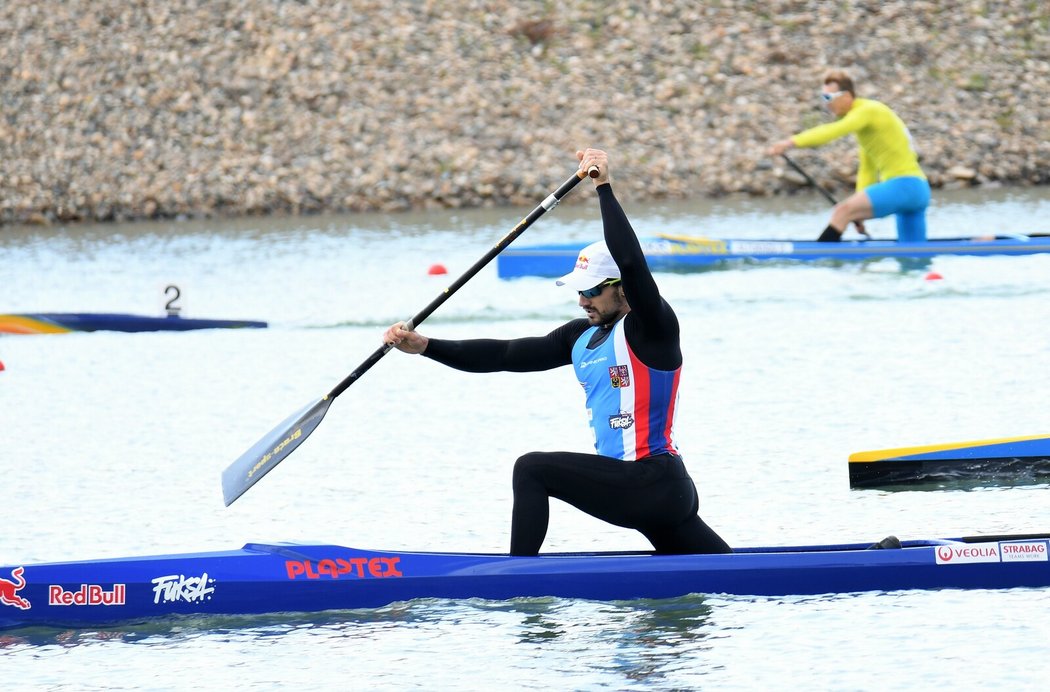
889 180
627 356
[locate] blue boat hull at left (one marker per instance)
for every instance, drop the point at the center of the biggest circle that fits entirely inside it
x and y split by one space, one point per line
288 577
64 322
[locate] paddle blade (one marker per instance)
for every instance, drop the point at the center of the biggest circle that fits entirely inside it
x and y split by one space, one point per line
271 450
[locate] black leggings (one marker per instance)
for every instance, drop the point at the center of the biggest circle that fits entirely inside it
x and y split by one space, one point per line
654 495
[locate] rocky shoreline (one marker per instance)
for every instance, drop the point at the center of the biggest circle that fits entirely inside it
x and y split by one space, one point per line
117 110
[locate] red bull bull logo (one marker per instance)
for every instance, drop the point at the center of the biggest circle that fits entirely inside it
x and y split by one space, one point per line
9 589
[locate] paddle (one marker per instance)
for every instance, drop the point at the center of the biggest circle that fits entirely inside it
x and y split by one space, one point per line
798 169
275 447
827 195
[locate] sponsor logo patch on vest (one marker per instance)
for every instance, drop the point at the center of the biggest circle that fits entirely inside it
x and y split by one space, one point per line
584 364
621 421
619 376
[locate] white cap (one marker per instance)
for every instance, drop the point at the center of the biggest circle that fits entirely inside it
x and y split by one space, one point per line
593 266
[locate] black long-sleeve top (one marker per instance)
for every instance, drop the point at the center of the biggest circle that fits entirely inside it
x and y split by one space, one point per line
651 327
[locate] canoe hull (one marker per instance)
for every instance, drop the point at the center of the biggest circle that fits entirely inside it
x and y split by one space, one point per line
686 254
275 578
64 322
1008 460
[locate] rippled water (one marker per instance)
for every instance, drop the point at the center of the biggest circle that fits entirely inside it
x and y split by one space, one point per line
114 444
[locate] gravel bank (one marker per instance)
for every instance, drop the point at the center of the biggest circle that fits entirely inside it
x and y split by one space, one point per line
124 109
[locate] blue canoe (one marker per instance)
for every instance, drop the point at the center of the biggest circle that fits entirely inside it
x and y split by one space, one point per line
64 322
298 578
1005 460
669 253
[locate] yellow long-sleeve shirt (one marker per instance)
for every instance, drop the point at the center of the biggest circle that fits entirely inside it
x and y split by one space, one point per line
885 144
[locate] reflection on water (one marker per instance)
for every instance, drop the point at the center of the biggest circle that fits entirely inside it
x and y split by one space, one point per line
656 634
644 623
181 627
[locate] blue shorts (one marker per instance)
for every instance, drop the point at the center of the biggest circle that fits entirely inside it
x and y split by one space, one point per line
907 197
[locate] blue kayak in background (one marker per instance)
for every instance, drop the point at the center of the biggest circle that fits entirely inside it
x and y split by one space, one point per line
672 253
1005 460
64 322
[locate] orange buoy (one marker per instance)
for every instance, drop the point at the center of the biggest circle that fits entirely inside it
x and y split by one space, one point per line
933 276
436 269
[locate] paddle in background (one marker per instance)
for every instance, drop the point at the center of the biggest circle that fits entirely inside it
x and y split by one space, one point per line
827 195
285 438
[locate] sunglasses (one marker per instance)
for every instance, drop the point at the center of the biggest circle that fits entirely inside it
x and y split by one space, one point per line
597 290
828 98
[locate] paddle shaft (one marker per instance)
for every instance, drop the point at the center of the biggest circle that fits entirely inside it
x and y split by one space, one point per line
274 447
543 207
827 195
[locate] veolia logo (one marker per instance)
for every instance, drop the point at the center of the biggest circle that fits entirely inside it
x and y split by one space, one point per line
960 554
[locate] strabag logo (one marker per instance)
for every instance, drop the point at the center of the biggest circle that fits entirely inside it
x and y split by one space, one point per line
963 554
1024 551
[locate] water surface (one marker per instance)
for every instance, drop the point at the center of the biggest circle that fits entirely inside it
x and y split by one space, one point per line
115 443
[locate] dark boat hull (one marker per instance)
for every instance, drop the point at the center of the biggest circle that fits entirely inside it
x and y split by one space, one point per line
1003 461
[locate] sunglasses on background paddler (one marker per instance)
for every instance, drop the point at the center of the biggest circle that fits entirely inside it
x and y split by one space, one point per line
828 98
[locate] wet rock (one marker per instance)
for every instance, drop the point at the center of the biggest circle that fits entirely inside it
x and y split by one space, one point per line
118 111
962 173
